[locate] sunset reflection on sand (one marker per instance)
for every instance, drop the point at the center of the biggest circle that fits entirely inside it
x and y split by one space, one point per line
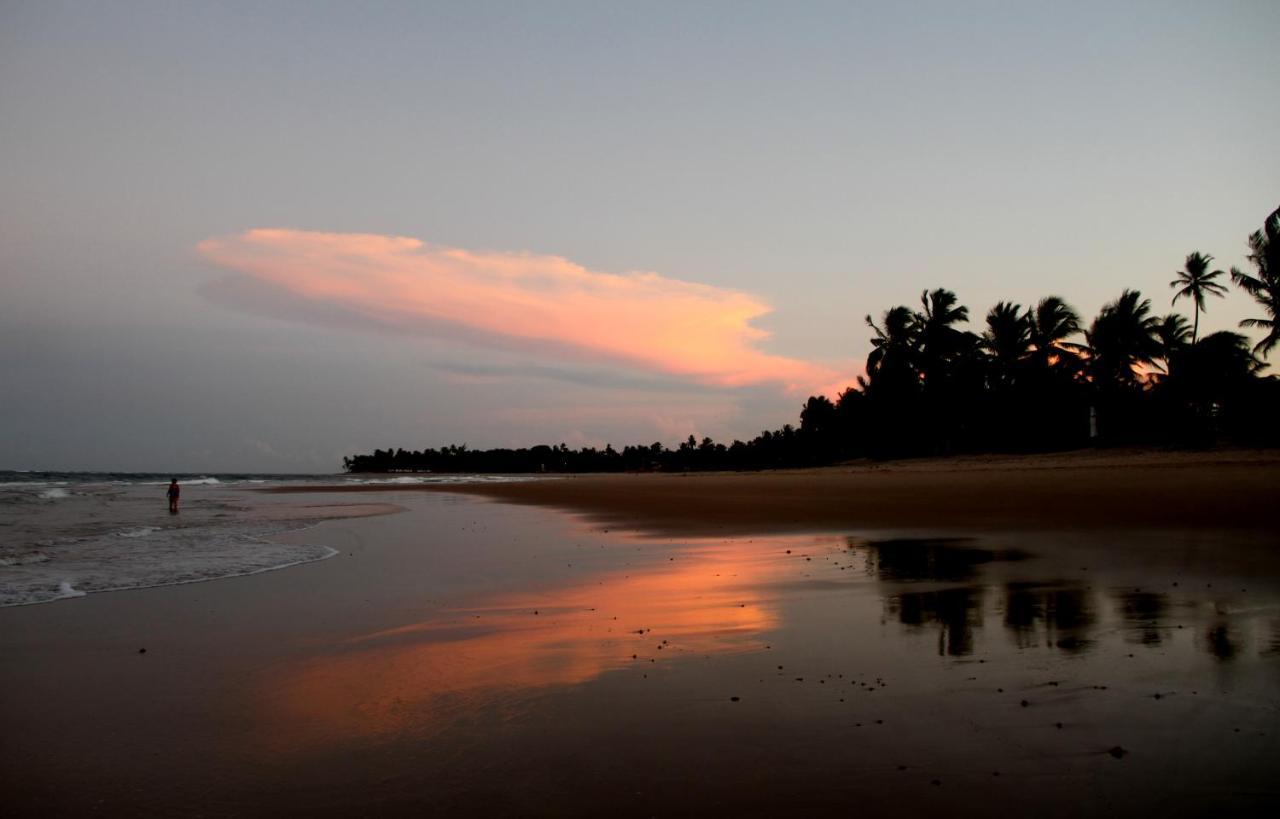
706 598
826 607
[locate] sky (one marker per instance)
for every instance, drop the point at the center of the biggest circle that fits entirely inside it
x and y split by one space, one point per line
261 236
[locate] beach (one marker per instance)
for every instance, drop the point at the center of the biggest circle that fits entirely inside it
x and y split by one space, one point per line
1126 490
1066 635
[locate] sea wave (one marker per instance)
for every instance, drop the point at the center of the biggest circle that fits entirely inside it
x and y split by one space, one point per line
65 590
202 481
94 537
92 565
23 559
142 531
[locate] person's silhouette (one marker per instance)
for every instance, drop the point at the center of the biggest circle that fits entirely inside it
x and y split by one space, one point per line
174 492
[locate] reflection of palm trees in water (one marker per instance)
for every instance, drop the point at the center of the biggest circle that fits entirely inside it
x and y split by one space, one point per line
1273 637
1052 614
1234 637
942 560
1143 613
1221 641
957 610
1064 614
1034 614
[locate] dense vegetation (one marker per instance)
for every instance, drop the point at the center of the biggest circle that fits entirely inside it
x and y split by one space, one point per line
1031 379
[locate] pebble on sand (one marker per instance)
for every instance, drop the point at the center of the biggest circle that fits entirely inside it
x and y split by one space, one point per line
1118 752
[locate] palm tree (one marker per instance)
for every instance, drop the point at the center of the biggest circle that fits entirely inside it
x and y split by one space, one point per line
1056 393
1213 372
1227 356
1008 333
817 417
1195 281
894 345
951 371
1050 324
892 385
940 343
891 364
1172 333
1008 340
1122 338
1264 246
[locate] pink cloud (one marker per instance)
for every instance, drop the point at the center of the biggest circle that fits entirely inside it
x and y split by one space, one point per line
645 320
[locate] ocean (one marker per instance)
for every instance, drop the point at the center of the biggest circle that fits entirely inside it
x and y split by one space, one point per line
68 534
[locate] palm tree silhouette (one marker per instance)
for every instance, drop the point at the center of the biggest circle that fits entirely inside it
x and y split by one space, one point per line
1195 281
1264 246
1122 338
1226 357
1050 324
893 350
938 339
1173 332
1204 378
817 416
1008 340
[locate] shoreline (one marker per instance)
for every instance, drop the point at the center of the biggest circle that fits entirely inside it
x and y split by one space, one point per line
464 636
1150 490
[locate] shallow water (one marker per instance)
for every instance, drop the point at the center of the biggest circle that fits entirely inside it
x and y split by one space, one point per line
467 656
68 534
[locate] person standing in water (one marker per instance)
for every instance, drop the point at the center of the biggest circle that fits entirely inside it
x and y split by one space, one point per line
174 492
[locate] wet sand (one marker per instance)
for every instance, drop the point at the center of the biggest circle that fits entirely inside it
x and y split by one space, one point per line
472 657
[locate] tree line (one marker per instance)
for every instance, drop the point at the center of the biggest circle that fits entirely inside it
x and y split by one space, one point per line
1033 378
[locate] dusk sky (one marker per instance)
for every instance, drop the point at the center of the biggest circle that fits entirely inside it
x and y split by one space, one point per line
262 236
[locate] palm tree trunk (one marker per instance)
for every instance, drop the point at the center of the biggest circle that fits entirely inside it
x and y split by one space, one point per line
1195 328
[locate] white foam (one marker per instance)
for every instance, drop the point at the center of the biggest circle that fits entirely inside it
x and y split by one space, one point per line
65 590
204 481
93 542
140 532
54 494
24 559
162 556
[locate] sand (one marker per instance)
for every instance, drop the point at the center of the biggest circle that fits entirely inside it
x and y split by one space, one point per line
921 638
1096 489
